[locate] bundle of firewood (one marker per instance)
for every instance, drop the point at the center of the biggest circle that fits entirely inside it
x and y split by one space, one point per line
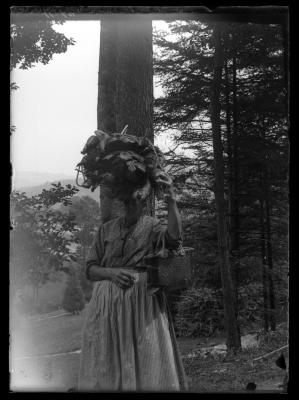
126 164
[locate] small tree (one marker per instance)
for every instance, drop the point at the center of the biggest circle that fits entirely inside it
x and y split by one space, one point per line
73 299
39 239
86 212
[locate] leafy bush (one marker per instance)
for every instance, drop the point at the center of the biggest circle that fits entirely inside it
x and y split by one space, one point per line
73 299
281 282
199 312
173 297
250 270
274 339
250 304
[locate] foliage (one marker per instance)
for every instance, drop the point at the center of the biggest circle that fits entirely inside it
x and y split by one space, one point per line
199 312
40 235
254 124
183 65
126 164
35 40
250 303
189 49
73 299
86 212
274 340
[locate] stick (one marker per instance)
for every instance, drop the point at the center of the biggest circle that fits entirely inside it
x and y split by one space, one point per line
272 352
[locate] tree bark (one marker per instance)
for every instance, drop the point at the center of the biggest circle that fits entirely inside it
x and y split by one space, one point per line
125 95
270 265
269 258
285 36
264 264
229 147
233 334
233 233
235 200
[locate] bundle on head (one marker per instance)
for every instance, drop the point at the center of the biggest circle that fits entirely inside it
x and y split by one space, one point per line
126 164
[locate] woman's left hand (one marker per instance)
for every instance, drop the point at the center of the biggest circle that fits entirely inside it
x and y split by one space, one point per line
163 179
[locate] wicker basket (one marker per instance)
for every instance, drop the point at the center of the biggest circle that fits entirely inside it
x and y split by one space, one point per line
173 272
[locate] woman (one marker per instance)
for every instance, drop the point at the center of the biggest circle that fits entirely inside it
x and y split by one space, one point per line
128 339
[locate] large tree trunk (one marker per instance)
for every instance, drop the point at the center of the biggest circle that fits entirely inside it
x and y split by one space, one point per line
233 226
269 258
229 148
264 266
235 198
270 265
125 95
285 36
233 334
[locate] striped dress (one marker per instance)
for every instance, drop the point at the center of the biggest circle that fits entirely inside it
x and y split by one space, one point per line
128 340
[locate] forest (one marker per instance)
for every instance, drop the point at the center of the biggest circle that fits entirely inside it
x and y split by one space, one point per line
252 107
224 108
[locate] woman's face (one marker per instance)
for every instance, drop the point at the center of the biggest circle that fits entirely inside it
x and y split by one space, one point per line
134 207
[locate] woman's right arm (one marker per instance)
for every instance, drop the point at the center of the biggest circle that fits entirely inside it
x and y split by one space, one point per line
117 275
95 272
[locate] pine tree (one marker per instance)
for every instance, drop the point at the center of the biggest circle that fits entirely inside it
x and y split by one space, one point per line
229 300
254 127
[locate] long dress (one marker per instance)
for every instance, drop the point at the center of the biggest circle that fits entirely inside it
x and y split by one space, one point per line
128 340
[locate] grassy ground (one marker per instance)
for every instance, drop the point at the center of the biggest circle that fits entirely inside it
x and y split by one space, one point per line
47 336
32 338
233 374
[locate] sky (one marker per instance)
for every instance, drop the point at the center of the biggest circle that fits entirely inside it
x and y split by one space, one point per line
55 108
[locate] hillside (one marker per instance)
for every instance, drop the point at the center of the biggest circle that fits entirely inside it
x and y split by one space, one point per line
33 190
33 178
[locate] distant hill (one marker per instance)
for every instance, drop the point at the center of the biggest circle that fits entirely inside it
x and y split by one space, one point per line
32 178
33 190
